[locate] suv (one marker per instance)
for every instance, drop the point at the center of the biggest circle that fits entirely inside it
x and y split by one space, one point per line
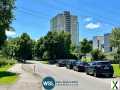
98 68
80 66
70 64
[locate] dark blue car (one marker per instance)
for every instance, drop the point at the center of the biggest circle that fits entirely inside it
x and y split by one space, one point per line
98 68
70 64
80 66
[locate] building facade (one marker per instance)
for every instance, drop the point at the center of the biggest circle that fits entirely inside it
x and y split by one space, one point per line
107 46
68 23
98 42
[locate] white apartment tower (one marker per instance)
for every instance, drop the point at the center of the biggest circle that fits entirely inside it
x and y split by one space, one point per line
66 22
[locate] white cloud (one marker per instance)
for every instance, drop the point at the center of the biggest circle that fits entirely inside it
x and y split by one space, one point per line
10 33
88 19
93 25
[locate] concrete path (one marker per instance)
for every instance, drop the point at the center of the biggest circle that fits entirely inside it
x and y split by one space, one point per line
27 80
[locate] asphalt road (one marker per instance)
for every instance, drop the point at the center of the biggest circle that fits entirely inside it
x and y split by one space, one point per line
85 82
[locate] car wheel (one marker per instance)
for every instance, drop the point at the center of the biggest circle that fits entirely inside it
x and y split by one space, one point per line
68 67
74 69
95 74
78 70
87 72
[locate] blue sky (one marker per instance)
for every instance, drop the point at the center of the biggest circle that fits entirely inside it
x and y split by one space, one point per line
96 17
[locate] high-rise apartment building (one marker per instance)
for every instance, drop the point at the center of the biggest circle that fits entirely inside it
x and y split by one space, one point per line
66 22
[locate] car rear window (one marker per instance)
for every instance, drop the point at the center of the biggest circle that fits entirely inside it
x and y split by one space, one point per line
82 63
103 63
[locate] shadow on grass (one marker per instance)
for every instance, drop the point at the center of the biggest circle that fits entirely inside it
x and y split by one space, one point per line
6 73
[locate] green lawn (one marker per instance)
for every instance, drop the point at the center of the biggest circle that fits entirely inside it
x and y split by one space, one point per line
4 68
8 79
116 70
44 62
5 76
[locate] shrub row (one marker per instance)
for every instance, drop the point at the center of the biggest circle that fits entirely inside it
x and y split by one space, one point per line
4 62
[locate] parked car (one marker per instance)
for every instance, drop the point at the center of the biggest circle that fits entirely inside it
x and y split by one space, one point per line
61 63
52 61
80 66
70 64
98 68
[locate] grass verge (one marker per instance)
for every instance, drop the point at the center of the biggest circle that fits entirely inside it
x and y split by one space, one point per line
7 77
8 80
116 70
44 62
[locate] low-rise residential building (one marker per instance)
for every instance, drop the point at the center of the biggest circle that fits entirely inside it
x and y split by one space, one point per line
98 42
107 46
102 43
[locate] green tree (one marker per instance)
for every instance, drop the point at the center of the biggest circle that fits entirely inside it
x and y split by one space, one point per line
73 48
11 47
85 46
25 47
54 45
46 55
39 48
64 45
20 48
6 18
115 42
97 55
115 37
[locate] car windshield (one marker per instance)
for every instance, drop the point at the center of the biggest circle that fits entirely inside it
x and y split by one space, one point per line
62 61
73 61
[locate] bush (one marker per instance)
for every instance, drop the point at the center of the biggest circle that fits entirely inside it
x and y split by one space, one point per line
4 61
46 56
97 55
115 61
72 56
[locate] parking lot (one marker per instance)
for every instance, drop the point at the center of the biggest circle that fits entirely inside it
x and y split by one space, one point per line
85 82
